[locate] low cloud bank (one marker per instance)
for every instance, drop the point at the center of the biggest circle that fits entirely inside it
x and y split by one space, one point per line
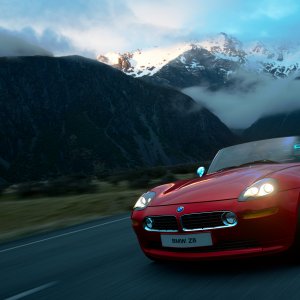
11 45
251 97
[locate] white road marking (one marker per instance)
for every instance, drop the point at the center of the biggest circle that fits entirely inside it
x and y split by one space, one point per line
32 291
61 235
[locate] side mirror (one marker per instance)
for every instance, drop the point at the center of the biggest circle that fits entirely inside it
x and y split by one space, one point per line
200 171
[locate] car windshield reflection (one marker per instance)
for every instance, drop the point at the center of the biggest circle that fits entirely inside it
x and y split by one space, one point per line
277 150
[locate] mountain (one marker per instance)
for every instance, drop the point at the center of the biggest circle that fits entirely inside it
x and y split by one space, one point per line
279 125
210 61
71 114
193 68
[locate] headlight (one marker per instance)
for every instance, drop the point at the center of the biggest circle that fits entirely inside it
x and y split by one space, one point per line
260 188
144 200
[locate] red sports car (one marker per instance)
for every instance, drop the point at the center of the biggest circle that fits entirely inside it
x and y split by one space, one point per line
247 204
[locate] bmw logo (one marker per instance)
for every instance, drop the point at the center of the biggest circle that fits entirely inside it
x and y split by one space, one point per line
180 209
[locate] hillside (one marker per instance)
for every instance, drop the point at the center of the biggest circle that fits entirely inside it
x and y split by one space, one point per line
285 124
75 115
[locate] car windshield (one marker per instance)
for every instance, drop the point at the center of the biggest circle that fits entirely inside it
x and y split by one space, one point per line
277 150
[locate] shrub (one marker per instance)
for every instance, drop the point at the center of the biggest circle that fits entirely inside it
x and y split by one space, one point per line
70 185
141 182
66 185
3 186
157 172
184 169
29 189
115 179
169 177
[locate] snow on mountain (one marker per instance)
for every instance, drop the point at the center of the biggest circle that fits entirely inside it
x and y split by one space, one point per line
279 61
147 62
255 56
223 46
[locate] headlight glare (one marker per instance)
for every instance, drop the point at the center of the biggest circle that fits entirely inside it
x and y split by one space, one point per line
144 201
251 192
268 188
260 188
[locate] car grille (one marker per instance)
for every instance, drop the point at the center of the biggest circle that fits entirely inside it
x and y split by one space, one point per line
164 223
205 220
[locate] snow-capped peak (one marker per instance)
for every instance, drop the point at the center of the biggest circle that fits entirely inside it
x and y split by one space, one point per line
223 46
255 56
147 62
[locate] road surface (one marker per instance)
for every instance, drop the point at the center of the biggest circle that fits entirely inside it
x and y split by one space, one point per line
102 260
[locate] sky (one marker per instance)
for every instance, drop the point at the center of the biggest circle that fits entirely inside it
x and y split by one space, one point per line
92 27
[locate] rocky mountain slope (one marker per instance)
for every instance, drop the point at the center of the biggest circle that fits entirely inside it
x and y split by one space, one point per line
71 114
210 61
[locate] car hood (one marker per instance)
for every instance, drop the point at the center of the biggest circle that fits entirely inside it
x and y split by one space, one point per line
217 186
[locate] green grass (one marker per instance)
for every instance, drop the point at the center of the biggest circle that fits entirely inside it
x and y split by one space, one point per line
19 217
22 216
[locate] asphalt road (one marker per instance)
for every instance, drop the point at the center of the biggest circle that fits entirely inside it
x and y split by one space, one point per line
102 260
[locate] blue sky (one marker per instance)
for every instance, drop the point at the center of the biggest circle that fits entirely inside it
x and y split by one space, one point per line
90 27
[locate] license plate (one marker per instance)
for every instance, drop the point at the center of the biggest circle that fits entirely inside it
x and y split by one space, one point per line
186 240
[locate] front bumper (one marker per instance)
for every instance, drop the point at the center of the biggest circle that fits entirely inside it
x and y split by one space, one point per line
266 225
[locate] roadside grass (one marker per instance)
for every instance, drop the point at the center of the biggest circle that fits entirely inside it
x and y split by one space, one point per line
21 216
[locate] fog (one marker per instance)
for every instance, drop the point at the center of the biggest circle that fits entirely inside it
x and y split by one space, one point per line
253 96
11 45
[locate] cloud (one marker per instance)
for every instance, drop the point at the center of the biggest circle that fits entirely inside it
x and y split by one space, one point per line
91 27
11 45
47 39
165 14
255 97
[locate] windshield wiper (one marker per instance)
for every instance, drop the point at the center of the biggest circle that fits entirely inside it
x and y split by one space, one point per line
262 161
227 168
